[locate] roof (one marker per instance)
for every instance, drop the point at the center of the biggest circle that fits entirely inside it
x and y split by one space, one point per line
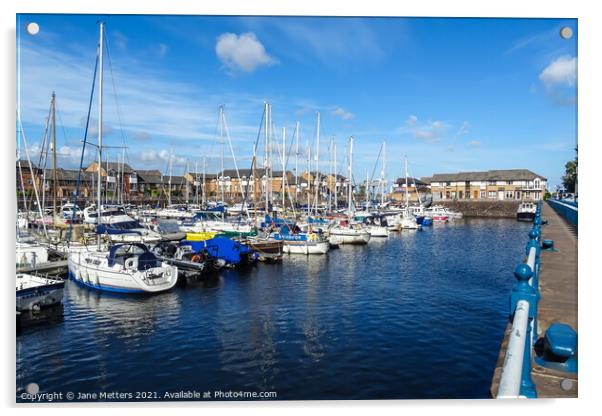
490 175
149 176
116 166
411 181
25 164
69 175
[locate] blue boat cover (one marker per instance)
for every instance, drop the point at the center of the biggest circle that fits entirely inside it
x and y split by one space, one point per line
220 248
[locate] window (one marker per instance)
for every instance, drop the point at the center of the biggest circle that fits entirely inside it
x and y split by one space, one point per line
483 194
492 194
509 195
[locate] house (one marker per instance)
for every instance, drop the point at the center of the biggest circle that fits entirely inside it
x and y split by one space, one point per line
417 189
510 184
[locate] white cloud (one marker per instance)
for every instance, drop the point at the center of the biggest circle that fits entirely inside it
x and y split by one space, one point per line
162 155
429 132
242 52
474 143
561 72
162 50
345 115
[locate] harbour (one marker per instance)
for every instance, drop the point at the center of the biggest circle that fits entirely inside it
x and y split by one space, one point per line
299 327
249 248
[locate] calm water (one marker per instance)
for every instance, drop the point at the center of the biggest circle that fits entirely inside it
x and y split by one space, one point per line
420 315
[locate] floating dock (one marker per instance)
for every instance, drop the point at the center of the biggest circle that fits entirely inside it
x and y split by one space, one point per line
558 303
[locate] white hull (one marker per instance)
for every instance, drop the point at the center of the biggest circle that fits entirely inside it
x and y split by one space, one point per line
118 278
306 247
34 292
349 237
376 231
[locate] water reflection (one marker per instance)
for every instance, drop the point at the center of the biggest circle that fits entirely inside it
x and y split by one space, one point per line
352 324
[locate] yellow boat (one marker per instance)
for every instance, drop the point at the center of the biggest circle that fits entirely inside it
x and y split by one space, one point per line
202 236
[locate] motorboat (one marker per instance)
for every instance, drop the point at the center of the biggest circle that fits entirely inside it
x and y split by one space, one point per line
36 292
441 211
127 268
526 211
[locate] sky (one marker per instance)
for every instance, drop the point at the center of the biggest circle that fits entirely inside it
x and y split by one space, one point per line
451 95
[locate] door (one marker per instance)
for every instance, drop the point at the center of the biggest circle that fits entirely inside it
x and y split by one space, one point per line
500 195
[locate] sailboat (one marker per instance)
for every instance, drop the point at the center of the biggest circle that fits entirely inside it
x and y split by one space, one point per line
346 232
407 219
126 268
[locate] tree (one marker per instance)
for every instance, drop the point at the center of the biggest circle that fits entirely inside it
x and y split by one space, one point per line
570 175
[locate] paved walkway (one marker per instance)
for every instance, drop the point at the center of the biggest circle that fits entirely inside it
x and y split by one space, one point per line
558 303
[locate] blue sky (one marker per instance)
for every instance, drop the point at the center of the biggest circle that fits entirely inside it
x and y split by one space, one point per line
451 94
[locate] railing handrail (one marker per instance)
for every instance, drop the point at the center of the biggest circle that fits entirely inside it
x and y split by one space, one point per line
515 378
510 380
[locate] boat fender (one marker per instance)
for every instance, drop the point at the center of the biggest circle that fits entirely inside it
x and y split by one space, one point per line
196 258
131 263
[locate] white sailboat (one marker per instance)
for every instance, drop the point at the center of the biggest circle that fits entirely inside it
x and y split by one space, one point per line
407 219
346 232
127 268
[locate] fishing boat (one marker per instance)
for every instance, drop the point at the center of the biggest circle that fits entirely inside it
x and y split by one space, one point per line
526 211
35 292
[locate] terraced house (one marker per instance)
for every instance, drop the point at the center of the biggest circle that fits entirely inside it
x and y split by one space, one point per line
510 184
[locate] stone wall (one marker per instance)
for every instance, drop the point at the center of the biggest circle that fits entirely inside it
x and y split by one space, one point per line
490 209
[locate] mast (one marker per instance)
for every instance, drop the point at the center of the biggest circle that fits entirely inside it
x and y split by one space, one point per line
296 161
283 167
99 181
317 160
54 180
221 135
382 175
336 179
308 179
186 182
169 181
350 173
196 182
265 161
407 195
203 196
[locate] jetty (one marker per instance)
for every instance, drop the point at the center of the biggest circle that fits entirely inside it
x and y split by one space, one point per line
547 288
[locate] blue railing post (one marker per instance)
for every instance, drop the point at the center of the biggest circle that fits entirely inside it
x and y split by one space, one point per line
522 290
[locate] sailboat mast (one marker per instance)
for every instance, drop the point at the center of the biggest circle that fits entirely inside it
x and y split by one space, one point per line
221 135
283 166
265 162
382 175
350 173
317 160
203 196
169 181
100 92
296 161
336 179
54 180
407 194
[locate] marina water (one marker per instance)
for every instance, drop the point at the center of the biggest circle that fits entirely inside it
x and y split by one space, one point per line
418 315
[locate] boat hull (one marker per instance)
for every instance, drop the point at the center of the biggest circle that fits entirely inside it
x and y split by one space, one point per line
306 247
121 280
39 296
525 216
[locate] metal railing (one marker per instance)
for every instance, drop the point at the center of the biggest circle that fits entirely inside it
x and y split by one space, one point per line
515 380
569 210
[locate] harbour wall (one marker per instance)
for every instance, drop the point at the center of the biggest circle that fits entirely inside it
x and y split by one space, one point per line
487 209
